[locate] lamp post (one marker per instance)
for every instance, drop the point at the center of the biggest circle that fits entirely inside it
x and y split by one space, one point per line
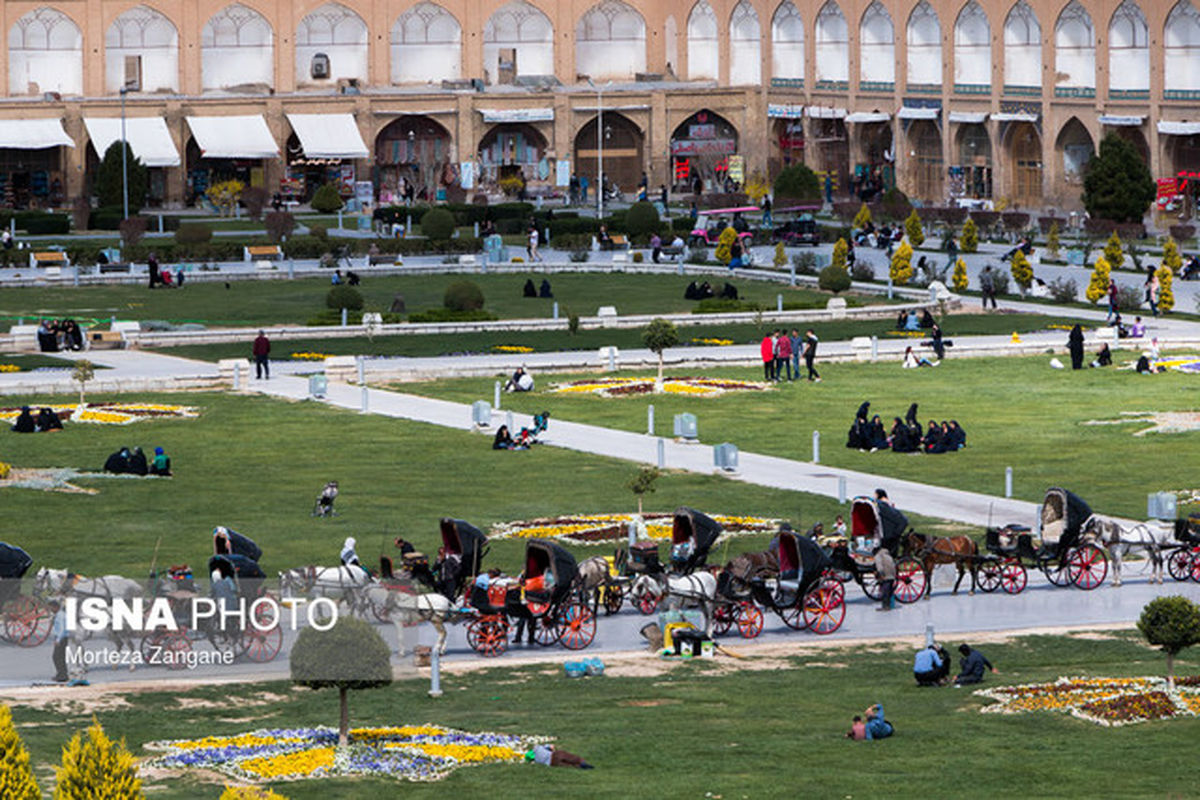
599 147
124 159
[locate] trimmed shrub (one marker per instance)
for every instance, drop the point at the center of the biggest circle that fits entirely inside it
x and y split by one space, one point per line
449 315
986 220
94 766
1129 298
913 229
968 242
806 263
463 296
1015 220
834 279
797 183
193 233
255 199
347 297
953 215
326 199
105 218
1063 290
437 224
862 272
1182 233
641 219
895 205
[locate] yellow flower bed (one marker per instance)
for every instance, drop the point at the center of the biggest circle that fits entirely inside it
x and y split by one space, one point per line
687 386
511 348
464 753
303 762
1104 701
309 356
372 734
716 342
112 413
597 528
9 368
5 470
241 740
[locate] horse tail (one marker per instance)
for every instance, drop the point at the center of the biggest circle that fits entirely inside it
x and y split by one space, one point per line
724 583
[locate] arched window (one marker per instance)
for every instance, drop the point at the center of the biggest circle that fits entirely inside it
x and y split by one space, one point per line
45 54
702 45
141 48
1128 50
745 46
426 45
924 47
972 47
833 44
610 41
877 47
1181 49
518 31
1075 51
787 43
1022 47
236 48
1076 149
337 33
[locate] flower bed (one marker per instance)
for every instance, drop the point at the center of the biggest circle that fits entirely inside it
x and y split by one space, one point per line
410 752
307 356
111 413
691 386
1105 701
598 528
713 342
511 348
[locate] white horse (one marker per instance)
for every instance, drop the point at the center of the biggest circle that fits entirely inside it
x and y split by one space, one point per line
345 584
63 582
699 589
404 608
1150 537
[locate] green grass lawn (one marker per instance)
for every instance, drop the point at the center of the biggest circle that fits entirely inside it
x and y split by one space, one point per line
706 729
624 338
1016 411
26 362
295 302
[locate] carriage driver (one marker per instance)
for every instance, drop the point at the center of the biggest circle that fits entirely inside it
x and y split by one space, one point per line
479 592
931 666
350 557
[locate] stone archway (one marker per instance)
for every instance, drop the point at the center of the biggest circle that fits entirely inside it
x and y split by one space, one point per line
971 175
512 149
787 144
415 148
700 148
623 153
926 166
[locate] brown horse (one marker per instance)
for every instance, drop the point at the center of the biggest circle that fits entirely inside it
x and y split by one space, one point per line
961 551
735 578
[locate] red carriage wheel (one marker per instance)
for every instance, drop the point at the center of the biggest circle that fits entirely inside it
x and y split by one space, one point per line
836 586
578 626
722 619
491 635
870 585
1058 574
910 581
1013 577
262 646
27 621
547 631
1180 563
174 647
793 616
749 620
1088 566
989 576
823 610
647 602
473 635
614 596
1196 566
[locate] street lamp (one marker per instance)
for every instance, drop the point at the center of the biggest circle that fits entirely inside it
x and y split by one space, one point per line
599 147
124 158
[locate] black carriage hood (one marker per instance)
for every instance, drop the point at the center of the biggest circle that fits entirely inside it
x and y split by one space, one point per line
464 538
893 519
1077 511
238 544
813 560
14 562
692 525
543 552
235 566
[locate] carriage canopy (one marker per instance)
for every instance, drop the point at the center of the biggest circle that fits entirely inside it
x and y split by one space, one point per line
542 556
14 562
871 519
1063 515
466 541
699 530
236 567
229 542
801 556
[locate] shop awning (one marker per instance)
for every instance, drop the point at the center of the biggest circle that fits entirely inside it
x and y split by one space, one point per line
862 117
968 117
908 112
1178 128
329 135
1121 122
147 136
33 134
517 114
233 137
822 112
784 111
1004 116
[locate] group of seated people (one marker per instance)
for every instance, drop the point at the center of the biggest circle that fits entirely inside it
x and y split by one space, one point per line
54 335
931 666
909 321
45 421
658 246
521 381
880 238
504 440
351 278
1135 331
704 291
530 290
1190 268
133 462
906 436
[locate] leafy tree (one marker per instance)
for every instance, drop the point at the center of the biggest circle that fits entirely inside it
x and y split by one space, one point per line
255 199
1097 288
968 242
225 195
862 217
326 199
463 296
1172 624
279 225
840 250
83 372
1022 272
16 776
438 224
912 227
1117 184
133 229
1171 258
97 768
756 188
959 278
643 483
901 267
350 655
1052 241
658 336
724 252
780 259
347 297
834 279
108 178
1113 252
797 183
641 219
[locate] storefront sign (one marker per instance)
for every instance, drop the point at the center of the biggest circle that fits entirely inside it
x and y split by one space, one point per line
784 111
364 191
562 174
703 147
737 168
466 174
708 131
518 115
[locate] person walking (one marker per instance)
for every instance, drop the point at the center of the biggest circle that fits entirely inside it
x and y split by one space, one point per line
939 346
1114 297
767 349
810 354
532 247
262 352
987 287
152 268
60 636
1075 347
797 343
1152 290
885 573
783 356
951 251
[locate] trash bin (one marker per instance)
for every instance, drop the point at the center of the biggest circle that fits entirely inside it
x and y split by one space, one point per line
685 426
318 385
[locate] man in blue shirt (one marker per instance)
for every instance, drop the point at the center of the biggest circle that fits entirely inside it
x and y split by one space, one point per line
931 666
877 726
59 635
971 666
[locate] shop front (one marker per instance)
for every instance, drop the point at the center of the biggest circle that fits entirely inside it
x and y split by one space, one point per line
322 148
787 136
700 151
148 139
971 174
227 148
875 167
514 154
829 144
621 151
412 151
32 162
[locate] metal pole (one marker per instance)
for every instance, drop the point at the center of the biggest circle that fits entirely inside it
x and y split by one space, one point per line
556 309
874 348
612 359
124 160
929 634
364 399
291 268
889 285
508 420
496 396
435 672
792 270
599 154
650 419
816 447
1008 481
841 488
237 376
779 302
343 317
662 453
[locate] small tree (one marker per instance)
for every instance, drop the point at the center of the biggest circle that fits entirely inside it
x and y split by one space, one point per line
347 297
255 199
279 225
326 199
110 181
350 655
756 188
643 483
463 296
225 195
132 230
438 224
1117 184
724 252
968 242
862 217
840 250
797 183
1172 624
83 372
1052 241
1022 272
780 259
16 776
658 336
1097 288
959 278
901 267
912 227
1166 294
97 767
641 219
834 279
1114 254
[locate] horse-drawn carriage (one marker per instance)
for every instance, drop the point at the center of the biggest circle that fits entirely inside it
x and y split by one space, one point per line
872 524
1184 560
463 549
641 558
693 535
1065 554
24 620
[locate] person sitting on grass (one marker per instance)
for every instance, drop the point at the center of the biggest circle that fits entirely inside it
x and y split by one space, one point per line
1103 358
137 462
25 422
971 666
901 440
503 439
911 361
932 443
550 756
876 437
958 436
47 421
875 726
931 666
161 465
1138 329
118 462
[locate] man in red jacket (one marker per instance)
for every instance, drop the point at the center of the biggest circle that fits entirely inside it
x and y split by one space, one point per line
768 357
262 351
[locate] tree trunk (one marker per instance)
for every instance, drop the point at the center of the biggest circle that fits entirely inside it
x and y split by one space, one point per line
1170 672
639 505
81 397
658 384
344 722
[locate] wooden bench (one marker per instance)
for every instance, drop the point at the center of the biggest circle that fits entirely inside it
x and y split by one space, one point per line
107 340
672 253
106 269
48 258
619 242
382 258
258 252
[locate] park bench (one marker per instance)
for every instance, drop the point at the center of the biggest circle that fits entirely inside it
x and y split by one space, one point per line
107 340
671 252
109 269
48 258
260 252
382 258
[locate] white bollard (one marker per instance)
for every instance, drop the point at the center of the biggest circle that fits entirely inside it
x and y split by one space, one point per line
362 371
662 454
364 399
816 447
889 285
874 348
556 309
496 396
508 420
237 376
841 488
650 419
435 672
612 359
779 302
344 314
792 270
929 634
1008 481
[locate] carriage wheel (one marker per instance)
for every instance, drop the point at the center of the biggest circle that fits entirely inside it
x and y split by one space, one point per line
836 586
989 576
1196 567
910 581
1013 577
870 585
749 620
823 610
614 596
1179 564
647 602
262 646
488 635
723 616
172 649
1088 566
793 616
578 626
1056 574
27 621
547 631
